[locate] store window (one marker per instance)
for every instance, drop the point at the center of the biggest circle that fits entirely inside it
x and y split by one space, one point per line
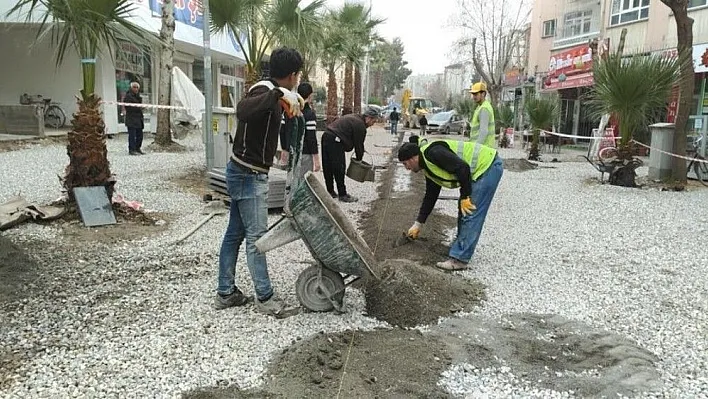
696 3
133 65
198 74
628 11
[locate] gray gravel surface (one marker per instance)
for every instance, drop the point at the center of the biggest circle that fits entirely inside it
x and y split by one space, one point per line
631 261
135 319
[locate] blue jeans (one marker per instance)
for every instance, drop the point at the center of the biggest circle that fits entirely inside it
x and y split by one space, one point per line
248 218
469 227
394 127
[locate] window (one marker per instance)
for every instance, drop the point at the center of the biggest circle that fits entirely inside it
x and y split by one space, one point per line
577 23
549 28
132 65
696 3
629 10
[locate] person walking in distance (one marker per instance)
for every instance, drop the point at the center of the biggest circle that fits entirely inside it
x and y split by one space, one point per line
394 117
423 122
343 135
259 114
134 119
482 126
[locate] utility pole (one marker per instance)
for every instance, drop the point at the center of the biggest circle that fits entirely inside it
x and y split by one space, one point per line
208 90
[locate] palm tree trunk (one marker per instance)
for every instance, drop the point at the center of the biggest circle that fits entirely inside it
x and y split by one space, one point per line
163 135
684 30
357 90
331 95
347 107
88 156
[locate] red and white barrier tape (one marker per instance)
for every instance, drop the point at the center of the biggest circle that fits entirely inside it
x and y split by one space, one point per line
670 153
149 106
570 136
634 141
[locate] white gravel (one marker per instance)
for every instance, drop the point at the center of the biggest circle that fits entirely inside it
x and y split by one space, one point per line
136 320
627 260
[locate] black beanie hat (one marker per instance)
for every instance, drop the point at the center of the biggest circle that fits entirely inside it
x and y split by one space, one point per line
408 151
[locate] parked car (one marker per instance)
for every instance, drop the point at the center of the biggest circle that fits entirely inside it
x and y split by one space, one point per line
447 122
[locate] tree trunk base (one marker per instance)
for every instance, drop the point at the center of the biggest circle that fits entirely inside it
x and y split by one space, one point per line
624 174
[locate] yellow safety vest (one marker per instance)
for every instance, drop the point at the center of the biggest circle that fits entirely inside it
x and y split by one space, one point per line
490 140
479 157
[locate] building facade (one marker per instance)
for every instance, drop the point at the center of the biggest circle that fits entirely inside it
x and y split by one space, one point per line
29 65
561 30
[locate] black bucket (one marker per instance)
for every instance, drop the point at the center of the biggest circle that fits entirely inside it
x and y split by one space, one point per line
360 171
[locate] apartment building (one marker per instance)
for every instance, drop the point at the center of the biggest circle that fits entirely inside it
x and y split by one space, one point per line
559 36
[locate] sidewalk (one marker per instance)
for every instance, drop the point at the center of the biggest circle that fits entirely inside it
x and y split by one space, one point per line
47 133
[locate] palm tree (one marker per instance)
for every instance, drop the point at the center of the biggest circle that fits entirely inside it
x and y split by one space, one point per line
543 112
504 117
89 27
262 23
335 48
621 88
356 19
309 42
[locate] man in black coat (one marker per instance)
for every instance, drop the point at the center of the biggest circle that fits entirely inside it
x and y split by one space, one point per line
134 119
343 135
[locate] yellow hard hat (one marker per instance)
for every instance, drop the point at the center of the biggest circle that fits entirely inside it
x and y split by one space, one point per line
477 87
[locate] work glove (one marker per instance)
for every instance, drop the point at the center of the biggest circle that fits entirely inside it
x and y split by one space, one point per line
414 231
466 206
291 102
316 163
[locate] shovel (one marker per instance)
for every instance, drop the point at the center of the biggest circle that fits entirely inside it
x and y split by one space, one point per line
212 208
403 239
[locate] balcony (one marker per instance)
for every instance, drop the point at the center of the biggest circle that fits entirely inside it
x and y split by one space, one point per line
577 27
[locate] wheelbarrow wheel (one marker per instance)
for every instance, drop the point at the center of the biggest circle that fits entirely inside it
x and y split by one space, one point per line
313 292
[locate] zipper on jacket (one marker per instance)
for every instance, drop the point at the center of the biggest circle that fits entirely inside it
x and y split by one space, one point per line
265 138
245 133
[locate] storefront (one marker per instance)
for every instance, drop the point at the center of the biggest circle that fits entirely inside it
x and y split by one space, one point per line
570 75
29 66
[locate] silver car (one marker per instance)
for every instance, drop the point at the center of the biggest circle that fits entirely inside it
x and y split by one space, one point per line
446 123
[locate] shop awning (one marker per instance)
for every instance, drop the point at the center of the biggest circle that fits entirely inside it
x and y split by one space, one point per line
579 80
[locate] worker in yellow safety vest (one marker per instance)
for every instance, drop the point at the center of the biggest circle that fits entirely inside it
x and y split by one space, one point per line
482 127
474 168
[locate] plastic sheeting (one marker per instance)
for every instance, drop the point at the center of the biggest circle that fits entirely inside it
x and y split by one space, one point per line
185 94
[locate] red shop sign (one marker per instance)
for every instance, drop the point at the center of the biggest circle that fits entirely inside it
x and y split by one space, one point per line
570 62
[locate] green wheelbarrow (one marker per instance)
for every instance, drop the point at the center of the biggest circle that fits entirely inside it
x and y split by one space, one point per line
339 252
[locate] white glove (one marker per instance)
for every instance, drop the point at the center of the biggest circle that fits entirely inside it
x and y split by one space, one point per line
414 231
291 102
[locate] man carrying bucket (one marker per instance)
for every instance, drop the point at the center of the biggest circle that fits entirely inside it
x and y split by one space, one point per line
475 168
343 135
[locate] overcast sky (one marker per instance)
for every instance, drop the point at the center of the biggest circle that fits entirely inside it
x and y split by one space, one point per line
422 25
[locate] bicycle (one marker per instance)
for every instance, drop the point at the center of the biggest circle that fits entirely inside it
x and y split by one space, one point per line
54 116
699 162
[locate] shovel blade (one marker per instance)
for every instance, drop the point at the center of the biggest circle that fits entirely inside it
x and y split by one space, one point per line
403 239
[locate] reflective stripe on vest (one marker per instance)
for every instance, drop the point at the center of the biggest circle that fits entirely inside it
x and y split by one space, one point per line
474 126
482 156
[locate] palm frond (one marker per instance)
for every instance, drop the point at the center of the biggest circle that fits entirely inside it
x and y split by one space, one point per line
633 88
543 111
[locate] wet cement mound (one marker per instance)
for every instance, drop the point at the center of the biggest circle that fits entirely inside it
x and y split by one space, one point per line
411 294
552 352
518 165
351 364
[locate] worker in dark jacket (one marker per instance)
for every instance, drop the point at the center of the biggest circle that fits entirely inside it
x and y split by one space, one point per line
309 159
343 135
134 119
472 167
259 114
